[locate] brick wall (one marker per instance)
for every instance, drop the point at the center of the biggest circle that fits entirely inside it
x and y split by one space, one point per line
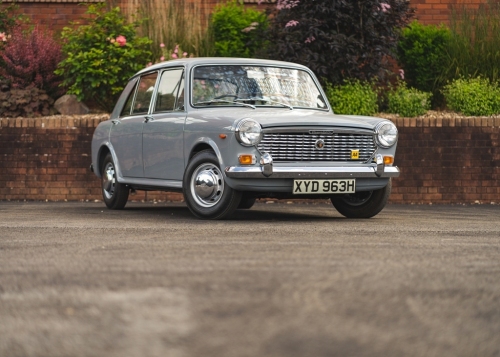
441 161
439 11
448 160
48 159
58 13
54 14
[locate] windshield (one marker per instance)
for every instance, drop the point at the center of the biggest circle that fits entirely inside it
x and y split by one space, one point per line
255 86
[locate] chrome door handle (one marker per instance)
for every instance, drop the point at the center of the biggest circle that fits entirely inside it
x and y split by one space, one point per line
148 118
115 122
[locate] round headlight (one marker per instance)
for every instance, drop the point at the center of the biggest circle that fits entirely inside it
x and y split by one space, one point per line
248 132
387 134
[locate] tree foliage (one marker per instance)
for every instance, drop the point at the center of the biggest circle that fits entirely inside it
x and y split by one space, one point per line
422 54
238 31
339 39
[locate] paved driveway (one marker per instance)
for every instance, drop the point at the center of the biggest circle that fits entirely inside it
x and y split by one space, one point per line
278 280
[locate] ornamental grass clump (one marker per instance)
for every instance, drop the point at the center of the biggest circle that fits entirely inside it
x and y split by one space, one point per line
408 102
172 23
473 49
353 97
100 57
473 96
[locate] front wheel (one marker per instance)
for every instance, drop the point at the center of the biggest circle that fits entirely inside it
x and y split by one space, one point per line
365 204
205 192
247 202
115 194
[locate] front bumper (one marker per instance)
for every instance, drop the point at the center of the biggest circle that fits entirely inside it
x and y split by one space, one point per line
312 172
267 170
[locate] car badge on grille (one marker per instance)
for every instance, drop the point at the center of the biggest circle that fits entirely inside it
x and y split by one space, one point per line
321 132
319 144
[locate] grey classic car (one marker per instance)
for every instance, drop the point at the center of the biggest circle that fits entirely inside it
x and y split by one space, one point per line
226 131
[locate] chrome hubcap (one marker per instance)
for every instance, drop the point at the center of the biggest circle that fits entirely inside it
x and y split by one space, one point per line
207 185
108 180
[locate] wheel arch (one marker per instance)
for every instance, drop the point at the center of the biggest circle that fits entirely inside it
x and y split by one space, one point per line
104 150
204 144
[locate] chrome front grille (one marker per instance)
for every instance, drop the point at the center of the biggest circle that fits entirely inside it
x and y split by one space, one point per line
303 146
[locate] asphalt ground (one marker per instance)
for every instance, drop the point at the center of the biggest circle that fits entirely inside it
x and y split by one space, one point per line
288 280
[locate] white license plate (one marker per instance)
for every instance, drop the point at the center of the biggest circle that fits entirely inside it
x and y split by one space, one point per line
323 186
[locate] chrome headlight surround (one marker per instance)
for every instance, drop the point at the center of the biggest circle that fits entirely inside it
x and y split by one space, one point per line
386 134
248 132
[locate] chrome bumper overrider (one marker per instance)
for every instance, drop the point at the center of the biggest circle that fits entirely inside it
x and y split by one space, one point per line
267 169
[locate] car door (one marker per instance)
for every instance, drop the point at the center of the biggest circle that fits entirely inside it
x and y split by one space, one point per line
126 132
162 137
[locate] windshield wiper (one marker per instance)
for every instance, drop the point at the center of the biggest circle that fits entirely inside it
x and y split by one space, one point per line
214 101
266 100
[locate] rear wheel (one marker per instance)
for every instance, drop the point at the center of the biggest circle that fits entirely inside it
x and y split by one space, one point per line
205 192
115 194
365 204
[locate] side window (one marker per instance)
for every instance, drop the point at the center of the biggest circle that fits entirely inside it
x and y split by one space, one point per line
128 104
144 93
170 91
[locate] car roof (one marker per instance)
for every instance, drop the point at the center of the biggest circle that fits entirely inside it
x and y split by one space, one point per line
191 62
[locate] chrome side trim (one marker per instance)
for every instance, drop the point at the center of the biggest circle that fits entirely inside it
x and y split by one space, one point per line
280 172
150 182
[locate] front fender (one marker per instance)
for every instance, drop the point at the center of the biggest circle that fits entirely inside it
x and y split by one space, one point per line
205 141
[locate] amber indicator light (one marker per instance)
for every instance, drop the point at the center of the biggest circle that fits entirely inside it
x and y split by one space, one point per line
246 159
222 136
388 160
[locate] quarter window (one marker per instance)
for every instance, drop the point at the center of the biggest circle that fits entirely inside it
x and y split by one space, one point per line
170 95
128 104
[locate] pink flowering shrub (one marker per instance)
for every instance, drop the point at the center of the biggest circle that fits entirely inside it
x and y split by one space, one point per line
174 54
339 40
101 57
30 60
121 40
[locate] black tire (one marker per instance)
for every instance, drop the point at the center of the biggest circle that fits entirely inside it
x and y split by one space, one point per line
246 202
115 194
365 204
205 192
